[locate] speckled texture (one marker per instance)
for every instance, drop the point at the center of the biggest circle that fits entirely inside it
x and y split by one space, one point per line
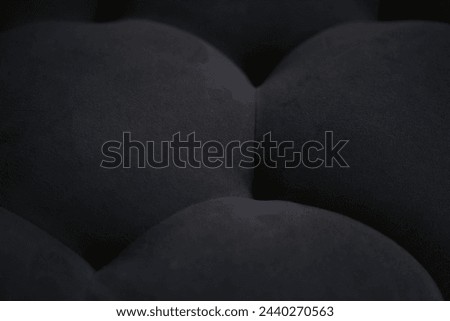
384 87
241 249
68 88
71 80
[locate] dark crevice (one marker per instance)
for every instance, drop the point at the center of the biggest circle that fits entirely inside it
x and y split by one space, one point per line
99 255
259 64
110 10
436 10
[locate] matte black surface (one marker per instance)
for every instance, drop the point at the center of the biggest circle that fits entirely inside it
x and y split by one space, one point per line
18 12
437 10
384 87
35 266
249 31
241 249
69 81
66 88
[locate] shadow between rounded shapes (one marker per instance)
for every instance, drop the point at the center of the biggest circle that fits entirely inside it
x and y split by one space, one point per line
242 249
83 85
383 87
35 266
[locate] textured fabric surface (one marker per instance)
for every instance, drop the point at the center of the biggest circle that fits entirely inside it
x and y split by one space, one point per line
233 249
82 85
69 84
249 31
35 266
385 88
